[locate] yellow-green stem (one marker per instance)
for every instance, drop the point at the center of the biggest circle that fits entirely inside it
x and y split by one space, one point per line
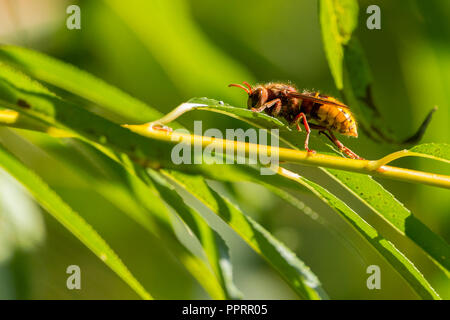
376 168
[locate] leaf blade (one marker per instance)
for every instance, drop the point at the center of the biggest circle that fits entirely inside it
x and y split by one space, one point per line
69 219
293 270
69 77
385 205
338 19
212 243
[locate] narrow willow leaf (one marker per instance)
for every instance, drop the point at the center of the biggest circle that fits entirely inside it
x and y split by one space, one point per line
287 179
139 199
77 81
338 19
24 95
351 72
384 204
275 183
214 246
439 150
374 165
294 272
359 81
34 100
357 93
400 263
69 219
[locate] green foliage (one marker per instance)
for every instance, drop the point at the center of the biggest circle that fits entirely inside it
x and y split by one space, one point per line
294 271
438 150
384 204
367 190
44 104
69 218
68 77
338 19
351 71
273 251
363 187
145 185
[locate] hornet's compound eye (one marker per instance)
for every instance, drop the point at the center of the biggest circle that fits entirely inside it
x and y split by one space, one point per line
254 99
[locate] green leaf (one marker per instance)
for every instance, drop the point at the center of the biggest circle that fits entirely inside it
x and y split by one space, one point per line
384 204
357 93
140 199
294 272
295 182
338 19
351 71
49 200
214 246
360 78
31 98
347 18
275 183
384 247
439 150
360 95
77 81
396 258
347 62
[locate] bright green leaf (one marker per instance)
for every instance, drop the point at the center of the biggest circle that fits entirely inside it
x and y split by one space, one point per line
214 246
438 150
77 81
383 203
338 19
69 219
294 271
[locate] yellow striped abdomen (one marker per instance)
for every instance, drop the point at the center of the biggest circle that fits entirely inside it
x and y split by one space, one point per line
335 118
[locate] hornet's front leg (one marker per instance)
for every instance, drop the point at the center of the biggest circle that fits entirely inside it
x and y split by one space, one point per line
269 104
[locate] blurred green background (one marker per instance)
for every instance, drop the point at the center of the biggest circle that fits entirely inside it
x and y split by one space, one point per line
165 52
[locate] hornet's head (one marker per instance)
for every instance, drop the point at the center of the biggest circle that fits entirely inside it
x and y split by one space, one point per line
256 96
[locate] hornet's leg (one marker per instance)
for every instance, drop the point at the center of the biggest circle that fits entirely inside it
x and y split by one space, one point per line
317 127
277 109
339 144
297 119
269 104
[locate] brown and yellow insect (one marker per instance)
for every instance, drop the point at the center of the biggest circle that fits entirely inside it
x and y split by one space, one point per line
283 100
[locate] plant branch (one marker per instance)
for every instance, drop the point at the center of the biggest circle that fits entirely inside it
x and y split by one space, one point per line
376 168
